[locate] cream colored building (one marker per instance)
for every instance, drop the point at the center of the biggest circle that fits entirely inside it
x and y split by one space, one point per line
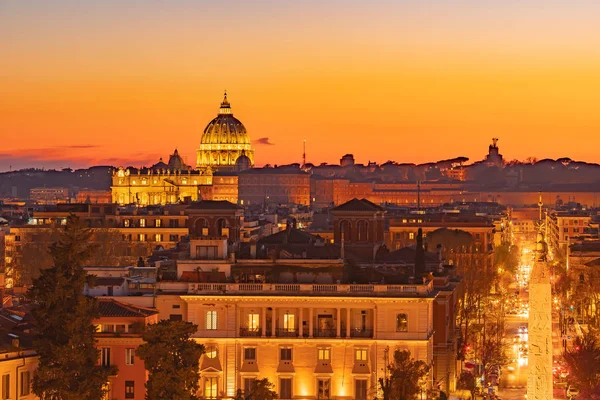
313 341
17 367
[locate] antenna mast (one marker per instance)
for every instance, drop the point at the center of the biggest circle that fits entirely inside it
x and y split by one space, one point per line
304 153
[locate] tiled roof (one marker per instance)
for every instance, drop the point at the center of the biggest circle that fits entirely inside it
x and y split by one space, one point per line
214 205
593 263
113 308
358 205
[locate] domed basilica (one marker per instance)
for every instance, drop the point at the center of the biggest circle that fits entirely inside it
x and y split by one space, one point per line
223 142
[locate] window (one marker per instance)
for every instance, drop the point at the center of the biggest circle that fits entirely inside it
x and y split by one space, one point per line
6 386
253 322
249 354
129 389
120 328
360 354
173 223
411 235
249 384
211 351
289 322
108 328
176 306
142 237
173 238
210 388
105 357
323 388
126 223
25 384
142 223
129 356
157 223
324 354
158 237
402 323
211 320
360 389
17 238
176 317
285 388
285 354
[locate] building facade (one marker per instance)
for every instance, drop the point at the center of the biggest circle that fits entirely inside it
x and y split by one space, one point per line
283 185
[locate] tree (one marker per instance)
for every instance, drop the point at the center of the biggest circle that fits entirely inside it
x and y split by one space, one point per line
68 360
172 359
466 381
405 373
261 390
583 360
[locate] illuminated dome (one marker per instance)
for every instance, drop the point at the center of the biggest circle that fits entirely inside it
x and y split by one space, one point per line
224 141
176 162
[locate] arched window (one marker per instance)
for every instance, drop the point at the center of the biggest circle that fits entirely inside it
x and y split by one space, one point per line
201 227
222 227
211 351
402 322
345 230
362 231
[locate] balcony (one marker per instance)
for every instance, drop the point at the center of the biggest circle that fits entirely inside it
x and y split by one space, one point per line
247 332
312 289
361 333
286 332
324 332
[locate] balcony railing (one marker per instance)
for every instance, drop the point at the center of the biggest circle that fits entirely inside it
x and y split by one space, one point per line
312 289
361 333
286 332
247 332
324 332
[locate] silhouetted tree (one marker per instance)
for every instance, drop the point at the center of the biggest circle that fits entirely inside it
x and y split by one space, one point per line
405 375
68 359
583 360
172 359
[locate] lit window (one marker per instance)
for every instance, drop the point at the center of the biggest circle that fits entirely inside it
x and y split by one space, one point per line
289 322
142 237
402 323
411 235
211 320
210 388
249 385
142 223
211 351
126 223
158 237
157 223
360 354
323 388
129 389
129 356
324 354
253 322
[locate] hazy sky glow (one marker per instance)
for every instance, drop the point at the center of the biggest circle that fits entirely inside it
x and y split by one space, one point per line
125 82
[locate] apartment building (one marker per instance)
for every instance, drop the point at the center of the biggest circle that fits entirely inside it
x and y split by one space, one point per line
564 227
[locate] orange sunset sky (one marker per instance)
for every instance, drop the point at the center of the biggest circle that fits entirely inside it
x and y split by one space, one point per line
125 82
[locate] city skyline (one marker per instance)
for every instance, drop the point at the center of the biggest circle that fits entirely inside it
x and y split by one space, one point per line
96 84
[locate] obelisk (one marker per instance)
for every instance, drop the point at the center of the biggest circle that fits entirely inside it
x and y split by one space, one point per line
539 381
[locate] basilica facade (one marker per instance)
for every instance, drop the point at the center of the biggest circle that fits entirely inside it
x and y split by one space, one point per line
224 147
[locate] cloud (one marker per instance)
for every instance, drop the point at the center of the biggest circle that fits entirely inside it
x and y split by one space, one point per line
263 141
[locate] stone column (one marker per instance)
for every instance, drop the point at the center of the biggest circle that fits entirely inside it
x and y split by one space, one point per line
338 324
238 321
375 322
273 322
348 322
263 322
310 322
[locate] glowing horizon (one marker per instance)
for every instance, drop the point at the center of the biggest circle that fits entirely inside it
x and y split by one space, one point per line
126 84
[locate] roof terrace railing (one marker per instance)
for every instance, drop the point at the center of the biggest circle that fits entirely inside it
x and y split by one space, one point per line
310 289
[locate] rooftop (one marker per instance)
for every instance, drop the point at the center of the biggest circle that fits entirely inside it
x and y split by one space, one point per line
113 308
